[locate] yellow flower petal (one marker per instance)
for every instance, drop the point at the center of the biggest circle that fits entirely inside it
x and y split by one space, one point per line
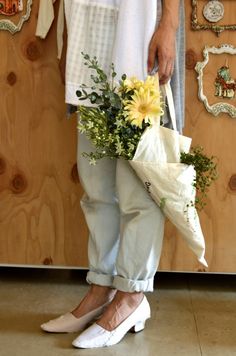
144 106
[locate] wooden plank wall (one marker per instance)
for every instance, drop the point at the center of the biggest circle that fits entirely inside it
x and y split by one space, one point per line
40 217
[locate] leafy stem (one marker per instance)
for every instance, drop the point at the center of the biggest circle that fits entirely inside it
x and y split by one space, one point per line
206 172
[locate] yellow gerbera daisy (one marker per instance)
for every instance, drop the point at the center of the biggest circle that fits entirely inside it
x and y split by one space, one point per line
132 83
144 106
152 83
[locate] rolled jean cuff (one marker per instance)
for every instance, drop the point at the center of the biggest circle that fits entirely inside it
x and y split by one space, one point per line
100 279
129 285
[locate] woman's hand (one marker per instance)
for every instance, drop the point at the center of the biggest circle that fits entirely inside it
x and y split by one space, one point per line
163 50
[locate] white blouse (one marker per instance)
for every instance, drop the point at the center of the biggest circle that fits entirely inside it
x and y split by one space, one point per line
116 31
91 26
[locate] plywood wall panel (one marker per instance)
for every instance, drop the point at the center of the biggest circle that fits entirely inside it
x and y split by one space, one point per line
41 222
40 217
217 136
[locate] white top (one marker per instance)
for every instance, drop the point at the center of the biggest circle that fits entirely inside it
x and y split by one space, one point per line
126 25
91 26
117 31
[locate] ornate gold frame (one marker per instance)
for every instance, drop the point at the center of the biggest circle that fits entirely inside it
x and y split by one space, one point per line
8 25
215 28
220 107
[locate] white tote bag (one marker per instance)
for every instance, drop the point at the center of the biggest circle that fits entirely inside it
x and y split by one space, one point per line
169 182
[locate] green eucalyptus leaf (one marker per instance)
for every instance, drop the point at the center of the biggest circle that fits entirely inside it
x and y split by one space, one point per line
79 93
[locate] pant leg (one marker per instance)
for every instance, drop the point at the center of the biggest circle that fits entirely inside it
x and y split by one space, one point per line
142 228
102 215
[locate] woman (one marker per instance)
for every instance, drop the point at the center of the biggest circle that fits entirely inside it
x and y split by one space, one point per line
126 226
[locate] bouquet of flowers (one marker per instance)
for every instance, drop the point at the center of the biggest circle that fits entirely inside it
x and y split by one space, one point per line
123 121
121 114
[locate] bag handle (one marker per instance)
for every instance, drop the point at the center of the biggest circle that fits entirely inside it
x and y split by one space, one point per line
167 92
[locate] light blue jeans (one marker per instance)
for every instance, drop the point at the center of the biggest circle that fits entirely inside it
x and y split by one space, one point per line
125 225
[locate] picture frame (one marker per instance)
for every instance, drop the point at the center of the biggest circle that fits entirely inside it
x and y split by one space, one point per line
220 107
13 14
216 28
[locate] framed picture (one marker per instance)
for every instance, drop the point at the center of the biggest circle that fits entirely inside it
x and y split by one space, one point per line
216 83
211 16
13 13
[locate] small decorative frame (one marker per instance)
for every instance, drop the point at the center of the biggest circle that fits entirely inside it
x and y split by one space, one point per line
220 107
7 24
213 27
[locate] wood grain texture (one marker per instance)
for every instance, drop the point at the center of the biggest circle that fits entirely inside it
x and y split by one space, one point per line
217 136
40 217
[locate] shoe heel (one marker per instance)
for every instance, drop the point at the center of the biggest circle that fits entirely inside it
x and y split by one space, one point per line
139 326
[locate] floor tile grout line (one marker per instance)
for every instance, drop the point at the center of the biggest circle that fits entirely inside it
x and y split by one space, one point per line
194 316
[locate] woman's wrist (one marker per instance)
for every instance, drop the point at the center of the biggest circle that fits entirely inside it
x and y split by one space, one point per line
167 22
170 14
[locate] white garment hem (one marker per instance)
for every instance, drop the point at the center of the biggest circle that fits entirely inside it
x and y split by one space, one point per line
100 279
120 283
129 285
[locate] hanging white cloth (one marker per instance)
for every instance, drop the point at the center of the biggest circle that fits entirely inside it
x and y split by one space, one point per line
45 19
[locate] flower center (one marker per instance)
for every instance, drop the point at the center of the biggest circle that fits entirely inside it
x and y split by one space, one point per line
143 108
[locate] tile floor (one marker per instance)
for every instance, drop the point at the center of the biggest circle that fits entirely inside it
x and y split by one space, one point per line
192 315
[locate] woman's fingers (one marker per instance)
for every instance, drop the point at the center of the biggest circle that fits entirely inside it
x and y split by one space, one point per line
165 71
152 55
162 50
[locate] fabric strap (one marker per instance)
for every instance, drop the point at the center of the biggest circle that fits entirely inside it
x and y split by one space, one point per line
167 92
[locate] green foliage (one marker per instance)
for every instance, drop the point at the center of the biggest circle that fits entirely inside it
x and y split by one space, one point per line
104 124
104 93
111 136
206 172
162 203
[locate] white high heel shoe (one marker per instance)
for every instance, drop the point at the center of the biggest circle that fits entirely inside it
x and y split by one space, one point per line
68 323
96 336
